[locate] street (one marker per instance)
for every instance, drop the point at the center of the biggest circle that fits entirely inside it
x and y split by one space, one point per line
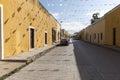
58 64
96 63
78 61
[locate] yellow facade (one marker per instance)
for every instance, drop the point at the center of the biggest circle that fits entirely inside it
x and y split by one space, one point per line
112 20
81 34
64 34
105 31
95 33
54 23
20 17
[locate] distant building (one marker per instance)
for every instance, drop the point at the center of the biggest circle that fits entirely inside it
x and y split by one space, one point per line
81 35
24 26
64 34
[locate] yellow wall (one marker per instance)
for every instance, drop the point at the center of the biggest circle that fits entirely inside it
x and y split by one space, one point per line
81 34
19 15
105 25
64 34
57 29
96 28
58 33
112 20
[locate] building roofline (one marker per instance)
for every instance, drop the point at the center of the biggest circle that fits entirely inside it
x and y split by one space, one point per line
96 22
48 12
104 16
118 6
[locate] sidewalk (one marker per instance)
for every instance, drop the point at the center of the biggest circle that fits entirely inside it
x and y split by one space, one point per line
10 65
58 64
114 48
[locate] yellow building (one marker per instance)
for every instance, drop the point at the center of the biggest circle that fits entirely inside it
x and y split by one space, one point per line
64 34
95 33
24 26
105 31
112 29
55 30
81 34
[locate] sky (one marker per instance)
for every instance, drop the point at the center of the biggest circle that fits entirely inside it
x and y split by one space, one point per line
75 15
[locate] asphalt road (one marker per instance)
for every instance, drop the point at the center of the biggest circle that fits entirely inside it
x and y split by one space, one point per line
78 61
96 63
58 64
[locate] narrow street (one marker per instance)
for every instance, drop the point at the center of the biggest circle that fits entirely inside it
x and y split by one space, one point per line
58 64
59 39
78 61
96 63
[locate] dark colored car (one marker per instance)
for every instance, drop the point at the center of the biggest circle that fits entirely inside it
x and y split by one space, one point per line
64 42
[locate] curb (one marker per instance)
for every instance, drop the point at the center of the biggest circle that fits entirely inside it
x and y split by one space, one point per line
27 62
12 72
105 46
33 58
116 50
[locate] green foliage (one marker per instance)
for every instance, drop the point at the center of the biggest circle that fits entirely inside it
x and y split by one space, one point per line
95 17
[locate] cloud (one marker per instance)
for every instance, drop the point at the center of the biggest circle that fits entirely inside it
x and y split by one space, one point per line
73 26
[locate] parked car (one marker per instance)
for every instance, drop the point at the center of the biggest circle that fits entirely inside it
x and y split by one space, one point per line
64 42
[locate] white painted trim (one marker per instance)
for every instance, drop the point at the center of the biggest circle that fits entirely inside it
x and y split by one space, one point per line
31 27
44 38
2 34
46 32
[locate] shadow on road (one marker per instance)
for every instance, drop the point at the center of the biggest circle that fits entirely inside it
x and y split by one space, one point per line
96 63
84 66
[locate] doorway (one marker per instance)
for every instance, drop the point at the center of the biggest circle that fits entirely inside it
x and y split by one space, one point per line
114 36
53 35
32 38
46 38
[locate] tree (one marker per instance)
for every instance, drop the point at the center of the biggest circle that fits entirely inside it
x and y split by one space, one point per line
95 17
